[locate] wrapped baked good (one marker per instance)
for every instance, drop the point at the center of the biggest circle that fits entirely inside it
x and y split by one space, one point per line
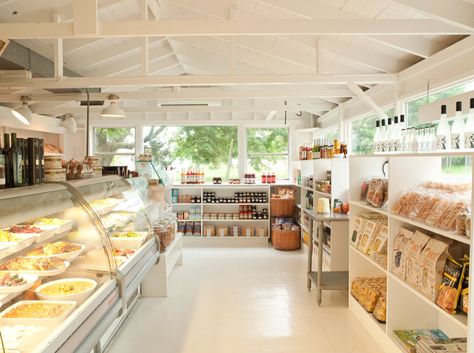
380 310
461 223
450 286
375 194
400 251
433 259
413 263
468 225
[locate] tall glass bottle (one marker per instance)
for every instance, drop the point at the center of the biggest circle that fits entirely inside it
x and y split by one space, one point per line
17 157
9 182
376 145
457 130
2 168
469 130
383 137
443 132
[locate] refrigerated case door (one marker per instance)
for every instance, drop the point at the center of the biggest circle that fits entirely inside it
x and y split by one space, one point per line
53 235
122 209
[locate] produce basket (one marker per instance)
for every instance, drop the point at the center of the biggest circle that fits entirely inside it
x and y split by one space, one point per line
286 239
282 207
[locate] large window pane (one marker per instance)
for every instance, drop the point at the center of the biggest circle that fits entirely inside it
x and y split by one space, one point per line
116 146
267 151
413 107
211 148
363 131
277 164
267 140
114 140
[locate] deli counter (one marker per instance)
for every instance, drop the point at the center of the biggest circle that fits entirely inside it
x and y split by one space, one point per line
72 258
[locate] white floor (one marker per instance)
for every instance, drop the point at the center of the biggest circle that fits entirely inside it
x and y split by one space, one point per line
242 300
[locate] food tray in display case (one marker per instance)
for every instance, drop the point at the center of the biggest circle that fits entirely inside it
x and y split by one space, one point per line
56 230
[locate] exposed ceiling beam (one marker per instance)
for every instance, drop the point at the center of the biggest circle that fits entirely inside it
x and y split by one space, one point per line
419 46
367 100
208 80
179 28
362 56
194 93
44 109
272 114
454 12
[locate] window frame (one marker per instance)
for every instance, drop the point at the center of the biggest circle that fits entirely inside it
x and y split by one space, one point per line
288 147
92 145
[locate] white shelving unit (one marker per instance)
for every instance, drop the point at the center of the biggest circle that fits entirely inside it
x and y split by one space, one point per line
335 257
407 308
223 190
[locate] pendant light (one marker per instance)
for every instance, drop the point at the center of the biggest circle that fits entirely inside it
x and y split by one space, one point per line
69 123
113 110
23 113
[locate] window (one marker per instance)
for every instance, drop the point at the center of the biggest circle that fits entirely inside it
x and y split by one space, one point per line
363 131
412 107
267 151
116 146
211 148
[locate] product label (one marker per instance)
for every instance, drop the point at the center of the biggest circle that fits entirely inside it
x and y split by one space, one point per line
469 140
455 141
441 142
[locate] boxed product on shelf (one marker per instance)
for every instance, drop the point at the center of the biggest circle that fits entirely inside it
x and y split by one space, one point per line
359 226
248 231
433 259
428 345
261 231
436 204
413 264
222 231
400 252
235 231
371 230
408 339
379 243
209 230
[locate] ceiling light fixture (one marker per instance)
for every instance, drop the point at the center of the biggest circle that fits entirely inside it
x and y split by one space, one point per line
69 123
113 110
24 113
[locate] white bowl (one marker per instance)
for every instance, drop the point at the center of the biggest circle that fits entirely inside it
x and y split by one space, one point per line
36 321
129 243
67 256
29 279
78 297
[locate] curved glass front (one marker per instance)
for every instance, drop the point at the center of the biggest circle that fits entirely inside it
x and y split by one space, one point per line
122 211
48 238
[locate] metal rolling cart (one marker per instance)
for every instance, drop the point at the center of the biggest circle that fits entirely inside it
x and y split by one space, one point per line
324 280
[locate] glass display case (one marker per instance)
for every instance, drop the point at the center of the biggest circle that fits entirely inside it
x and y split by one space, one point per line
58 290
127 218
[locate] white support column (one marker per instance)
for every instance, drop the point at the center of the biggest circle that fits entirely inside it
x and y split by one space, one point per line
58 54
367 100
242 149
139 143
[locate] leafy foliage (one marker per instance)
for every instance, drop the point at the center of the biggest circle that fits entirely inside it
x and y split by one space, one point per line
263 141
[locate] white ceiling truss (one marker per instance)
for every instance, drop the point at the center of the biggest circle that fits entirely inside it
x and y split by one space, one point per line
314 53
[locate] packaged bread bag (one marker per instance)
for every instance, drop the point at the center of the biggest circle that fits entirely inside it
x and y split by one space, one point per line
451 284
371 230
413 265
358 229
400 250
433 259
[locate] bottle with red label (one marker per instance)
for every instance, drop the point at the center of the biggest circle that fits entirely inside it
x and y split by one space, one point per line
264 178
273 178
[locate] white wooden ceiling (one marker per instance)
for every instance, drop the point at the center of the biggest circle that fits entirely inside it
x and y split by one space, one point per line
246 55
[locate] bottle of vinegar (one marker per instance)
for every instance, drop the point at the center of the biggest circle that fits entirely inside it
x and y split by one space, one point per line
469 130
443 132
457 130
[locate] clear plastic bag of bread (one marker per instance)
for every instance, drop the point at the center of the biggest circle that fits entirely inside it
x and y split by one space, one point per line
375 194
380 310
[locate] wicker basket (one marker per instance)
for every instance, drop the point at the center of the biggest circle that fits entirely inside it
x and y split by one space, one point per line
286 239
282 207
